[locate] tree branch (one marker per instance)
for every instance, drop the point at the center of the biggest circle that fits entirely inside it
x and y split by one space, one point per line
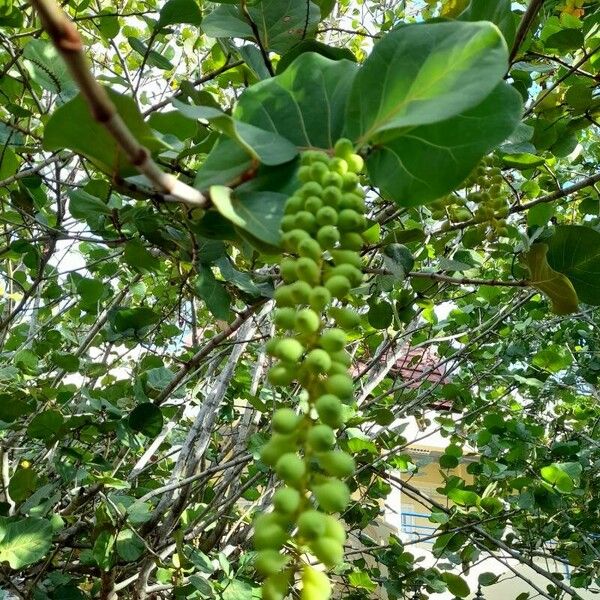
67 41
524 26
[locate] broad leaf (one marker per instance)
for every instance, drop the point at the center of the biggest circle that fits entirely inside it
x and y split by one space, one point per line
25 541
305 104
281 23
402 167
498 12
555 285
47 69
456 585
313 46
214 294
575 251
265 146
67 125
422 74
258 213
146 418
179 11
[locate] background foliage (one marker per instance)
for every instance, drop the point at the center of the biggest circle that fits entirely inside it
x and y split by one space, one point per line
133 399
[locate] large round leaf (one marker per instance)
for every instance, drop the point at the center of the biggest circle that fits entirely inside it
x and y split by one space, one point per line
146 418
25 541
425 73
575 251
306 103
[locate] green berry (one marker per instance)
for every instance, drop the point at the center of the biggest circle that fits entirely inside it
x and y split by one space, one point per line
340 385
307 270
290 468
313 204
304 173
343 148
338 165
350 181
285 420
300 292
334 530
352 201
305 220
293 204
318 361
276 586
291 239
328 236
333 340
287 500
345 317
338 285
280 375
355 163
332 496
311 188
285 318
319 298
326 216
311 524
318 171
328 551
288 223
307 321
278 445
289 350
333 179
351 241
341 357
330 410
269 537
350 220
287 268
309 247
337 463
270 562
315 585
337 369
284 295
347 257
321 438
332 196
353 274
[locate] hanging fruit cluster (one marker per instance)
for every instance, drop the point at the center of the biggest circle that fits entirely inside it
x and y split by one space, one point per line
321 232
486 202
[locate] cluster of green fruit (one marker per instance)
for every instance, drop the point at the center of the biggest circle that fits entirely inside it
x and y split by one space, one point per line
321 233
487 191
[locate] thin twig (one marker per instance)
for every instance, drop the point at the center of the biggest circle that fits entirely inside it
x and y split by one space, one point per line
67 41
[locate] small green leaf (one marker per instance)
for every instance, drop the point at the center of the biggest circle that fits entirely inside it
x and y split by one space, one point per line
463 497
456 585
214 294
45 425
129 546
179 11
22 484
146 418
380 315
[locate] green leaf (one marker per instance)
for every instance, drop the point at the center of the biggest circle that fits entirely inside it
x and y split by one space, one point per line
237 590
67 362
540 214
361 579
45 425
523 160
46 67
258 213
214 294
132 319
66 126
265 146
22 484
146 418
313 46
286 103
456 584
380 315
9 163
179 11
555 285
103 550
422 74
85 206
399 260
152 56
552 358
25 541
224 165
281 23
574 250
558 477
401 168
108 24
129 546
498 12
463 497
136 255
